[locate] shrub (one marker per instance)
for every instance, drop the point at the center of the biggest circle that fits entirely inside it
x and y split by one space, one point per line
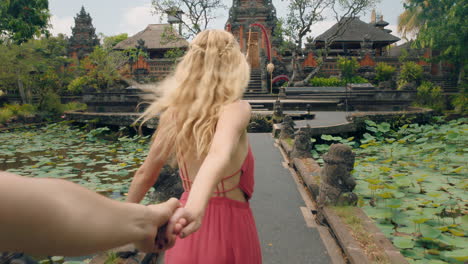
384 72
320 81
20 110
348 68
430 95
358 79
5 115
74 106
333 81
410 72
51 103
77 85
460 101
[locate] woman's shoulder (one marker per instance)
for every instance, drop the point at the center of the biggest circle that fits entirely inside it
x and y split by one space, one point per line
239 106
237 112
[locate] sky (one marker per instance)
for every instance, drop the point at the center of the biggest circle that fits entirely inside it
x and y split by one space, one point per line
112 17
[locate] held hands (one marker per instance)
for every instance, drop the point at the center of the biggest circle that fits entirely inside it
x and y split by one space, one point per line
170 220
155 239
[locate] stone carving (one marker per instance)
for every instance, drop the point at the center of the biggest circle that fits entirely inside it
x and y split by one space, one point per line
277 108
168 184
337 183
302 145
287 128
367 46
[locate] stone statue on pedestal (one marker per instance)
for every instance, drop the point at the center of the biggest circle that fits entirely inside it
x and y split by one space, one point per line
287 128
337 183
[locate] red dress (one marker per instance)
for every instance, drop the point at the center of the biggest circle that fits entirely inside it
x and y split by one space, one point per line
228 234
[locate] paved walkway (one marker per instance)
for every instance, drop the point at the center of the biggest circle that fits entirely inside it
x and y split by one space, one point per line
324 118
276 203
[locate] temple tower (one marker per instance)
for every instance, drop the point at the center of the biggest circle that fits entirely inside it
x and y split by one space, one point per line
83 39
242 14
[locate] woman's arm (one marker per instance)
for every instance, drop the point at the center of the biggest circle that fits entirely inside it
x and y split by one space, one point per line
231 125
57 217
148 173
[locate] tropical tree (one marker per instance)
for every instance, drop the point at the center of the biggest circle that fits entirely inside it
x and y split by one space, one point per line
410 21
444 29
194 15
20 20
35 67
99 70
110 41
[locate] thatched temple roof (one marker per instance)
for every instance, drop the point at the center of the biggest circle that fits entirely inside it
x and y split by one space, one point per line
355 31
153 35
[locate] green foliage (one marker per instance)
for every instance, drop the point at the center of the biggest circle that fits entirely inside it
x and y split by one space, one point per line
357 79
324 82
384 71
77 85
444 29
410 72
51 103
174 53
100 70
412 182
22 20
348 68
5 115
111 41
431 96
333 81
9 111
460 101
37 66
74 106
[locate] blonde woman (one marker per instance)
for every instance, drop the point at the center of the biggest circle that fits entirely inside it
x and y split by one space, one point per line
203 127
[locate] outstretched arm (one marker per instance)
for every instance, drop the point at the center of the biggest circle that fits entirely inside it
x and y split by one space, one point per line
57 217
232 123
148 173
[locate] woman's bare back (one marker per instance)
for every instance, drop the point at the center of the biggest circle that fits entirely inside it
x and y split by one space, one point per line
192 165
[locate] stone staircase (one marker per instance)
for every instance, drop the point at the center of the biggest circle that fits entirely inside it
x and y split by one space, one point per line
255 84
448 86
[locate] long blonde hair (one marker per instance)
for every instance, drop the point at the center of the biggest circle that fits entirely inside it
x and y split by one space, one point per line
213 72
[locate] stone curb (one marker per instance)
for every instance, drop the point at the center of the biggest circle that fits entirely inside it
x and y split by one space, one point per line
309 170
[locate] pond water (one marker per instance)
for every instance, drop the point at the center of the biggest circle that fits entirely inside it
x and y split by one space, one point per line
413 182
79 155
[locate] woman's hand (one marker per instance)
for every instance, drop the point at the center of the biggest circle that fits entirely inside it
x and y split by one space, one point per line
155 239
183 223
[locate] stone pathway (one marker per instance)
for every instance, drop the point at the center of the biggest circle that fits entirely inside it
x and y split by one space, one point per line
324 119
284 235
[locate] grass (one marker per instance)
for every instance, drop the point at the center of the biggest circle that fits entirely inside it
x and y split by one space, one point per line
290 141
361 235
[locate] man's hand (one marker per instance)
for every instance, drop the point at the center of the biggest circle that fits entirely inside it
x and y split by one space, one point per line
156 239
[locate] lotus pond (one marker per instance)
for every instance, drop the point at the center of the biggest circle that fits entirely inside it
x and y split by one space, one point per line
413 181
93 158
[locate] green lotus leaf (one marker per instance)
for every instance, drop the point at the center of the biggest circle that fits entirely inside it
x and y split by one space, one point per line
403 242
370 123
459 255
429 231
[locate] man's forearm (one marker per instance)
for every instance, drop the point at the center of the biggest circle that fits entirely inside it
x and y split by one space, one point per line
56 217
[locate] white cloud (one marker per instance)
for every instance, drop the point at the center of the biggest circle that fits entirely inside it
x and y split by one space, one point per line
321 27
61 25
136 19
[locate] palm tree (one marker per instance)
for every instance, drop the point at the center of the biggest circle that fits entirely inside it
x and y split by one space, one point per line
410 21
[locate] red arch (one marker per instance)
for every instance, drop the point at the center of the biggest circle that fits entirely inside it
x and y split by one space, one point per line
280 78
